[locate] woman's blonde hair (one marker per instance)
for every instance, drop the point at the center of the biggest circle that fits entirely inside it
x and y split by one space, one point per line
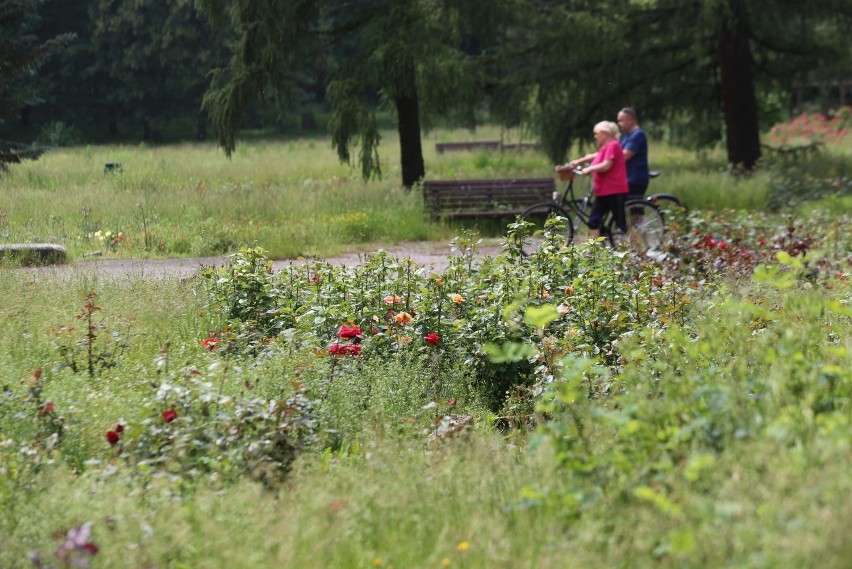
608 127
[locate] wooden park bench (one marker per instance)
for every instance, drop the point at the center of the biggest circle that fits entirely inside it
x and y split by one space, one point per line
485 198
441 147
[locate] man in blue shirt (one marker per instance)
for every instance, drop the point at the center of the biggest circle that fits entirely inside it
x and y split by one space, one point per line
635 147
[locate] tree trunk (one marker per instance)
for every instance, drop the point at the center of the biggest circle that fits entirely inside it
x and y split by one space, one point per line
737 82
408 114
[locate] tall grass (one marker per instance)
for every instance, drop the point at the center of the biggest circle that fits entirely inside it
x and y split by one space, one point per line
290 197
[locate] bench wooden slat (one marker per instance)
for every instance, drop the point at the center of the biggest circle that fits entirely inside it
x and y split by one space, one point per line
441 147
485 198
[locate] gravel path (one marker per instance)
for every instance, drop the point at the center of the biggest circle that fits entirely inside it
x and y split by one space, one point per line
432 254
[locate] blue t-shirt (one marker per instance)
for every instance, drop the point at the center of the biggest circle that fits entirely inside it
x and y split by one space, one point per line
637 166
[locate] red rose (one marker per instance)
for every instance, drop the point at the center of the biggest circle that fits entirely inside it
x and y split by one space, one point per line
113 437
119 428
170 415
432 338
344 350
351 350
349 331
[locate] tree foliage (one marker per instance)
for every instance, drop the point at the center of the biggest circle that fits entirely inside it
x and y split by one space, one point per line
404 55
20 55
704 59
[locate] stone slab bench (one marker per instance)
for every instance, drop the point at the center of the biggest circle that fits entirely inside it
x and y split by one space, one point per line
30 254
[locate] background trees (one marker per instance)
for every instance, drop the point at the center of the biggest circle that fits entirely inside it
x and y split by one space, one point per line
403 55
699 71
20 55
705 60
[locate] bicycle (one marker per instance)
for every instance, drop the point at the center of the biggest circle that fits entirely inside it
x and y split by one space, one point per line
645 220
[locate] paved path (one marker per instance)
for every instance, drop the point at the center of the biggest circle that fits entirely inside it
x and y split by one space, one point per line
427 253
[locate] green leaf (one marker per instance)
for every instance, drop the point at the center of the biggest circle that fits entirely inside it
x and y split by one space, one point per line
786 259
772 276
838 308
508 352
540 316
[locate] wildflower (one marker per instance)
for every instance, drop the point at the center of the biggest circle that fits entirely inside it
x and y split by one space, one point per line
210 343
392 299
349 331
403 318
658 281
439 281
315 278
457 298
432 338
406 339
113 437
169 415
76 543
119 428
463 546
452 402
46 409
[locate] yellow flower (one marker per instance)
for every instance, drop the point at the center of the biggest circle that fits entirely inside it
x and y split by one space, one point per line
445 562
463 546
457 298
377 562
403 318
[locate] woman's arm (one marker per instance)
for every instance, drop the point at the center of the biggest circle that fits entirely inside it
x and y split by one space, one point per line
599 167
576 162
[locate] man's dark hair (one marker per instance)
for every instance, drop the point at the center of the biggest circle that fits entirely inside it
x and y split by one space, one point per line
629 112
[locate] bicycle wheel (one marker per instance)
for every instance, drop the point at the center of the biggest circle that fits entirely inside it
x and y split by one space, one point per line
670 206
546 217
645 227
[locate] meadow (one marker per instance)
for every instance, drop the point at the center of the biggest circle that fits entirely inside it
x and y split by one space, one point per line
294 198
580 407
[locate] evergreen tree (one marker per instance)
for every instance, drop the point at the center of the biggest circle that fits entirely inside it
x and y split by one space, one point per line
402 53
20 55
705 59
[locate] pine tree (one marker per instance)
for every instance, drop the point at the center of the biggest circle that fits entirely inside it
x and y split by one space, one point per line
20 55
706 60
405 54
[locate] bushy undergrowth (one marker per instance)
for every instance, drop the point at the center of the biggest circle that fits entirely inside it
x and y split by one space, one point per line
579 407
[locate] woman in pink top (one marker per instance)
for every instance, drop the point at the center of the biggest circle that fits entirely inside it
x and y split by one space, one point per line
610 177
